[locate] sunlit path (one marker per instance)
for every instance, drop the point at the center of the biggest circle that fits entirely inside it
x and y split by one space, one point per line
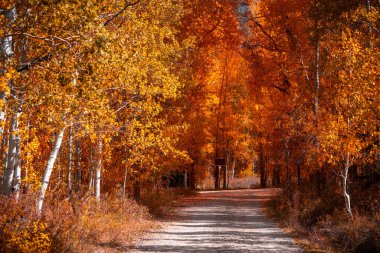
224 221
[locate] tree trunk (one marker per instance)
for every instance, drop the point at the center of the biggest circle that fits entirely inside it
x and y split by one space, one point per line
137 191
125 177
185 179
347 198
298 173
262 171
233 168
287 162
4 161
91 180
217 177
11 157
25 186
17 171
316 71
378 151
2 114
98 169
276 176
48 171
69 162
6 44
78 169
225 171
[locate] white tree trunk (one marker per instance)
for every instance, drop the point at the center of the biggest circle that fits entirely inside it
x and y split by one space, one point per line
11 157
91 173
48 171
69 162
347 198
6 44
2 115
125 176
17 171
98 169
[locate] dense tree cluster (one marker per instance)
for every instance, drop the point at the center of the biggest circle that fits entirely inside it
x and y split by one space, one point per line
100 96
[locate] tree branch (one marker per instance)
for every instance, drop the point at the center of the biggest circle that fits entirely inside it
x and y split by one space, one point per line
34 62
121 11
266 34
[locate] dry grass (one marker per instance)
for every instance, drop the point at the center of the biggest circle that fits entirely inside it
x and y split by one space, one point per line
82 224
319 222
161 203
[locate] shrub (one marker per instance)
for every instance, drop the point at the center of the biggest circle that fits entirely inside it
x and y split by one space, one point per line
20 229
75 225
322 216
161 202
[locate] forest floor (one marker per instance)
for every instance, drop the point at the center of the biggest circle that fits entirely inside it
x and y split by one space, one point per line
220 221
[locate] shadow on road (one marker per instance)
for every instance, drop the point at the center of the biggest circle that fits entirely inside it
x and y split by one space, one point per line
225 221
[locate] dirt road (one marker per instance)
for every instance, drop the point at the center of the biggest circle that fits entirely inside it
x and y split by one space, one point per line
223 221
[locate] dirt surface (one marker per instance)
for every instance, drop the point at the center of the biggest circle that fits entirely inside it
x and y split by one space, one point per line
222 221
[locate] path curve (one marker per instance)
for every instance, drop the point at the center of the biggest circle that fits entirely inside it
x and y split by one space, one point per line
221 221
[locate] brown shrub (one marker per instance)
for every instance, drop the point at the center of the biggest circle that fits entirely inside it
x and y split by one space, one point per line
75 225
161 202
20 228
321 217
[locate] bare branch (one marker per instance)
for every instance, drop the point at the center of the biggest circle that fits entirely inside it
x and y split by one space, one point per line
121 11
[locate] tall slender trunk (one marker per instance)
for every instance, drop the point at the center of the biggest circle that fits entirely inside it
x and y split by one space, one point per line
98 169
91 179
276 177
3 119
221 104
2 113
91 171
137 191
3 154
11 157
78 169
7 45
25 185
125 172
262 170
233 168
299 173
316 73
217 177
347 198
225 171
69 161
17 171
287 161
48 171
185 179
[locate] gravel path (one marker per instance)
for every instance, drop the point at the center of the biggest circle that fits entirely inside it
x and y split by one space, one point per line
222 221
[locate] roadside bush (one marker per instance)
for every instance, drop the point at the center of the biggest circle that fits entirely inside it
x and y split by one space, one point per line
161 202
321 217
81 224
361 234
75 225
20 229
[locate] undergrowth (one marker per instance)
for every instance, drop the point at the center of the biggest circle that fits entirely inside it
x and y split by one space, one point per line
81 224
319 221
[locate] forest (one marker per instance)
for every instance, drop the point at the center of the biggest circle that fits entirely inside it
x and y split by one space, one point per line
108 108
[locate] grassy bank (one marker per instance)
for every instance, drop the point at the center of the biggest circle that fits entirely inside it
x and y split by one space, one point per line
319 222
82 224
